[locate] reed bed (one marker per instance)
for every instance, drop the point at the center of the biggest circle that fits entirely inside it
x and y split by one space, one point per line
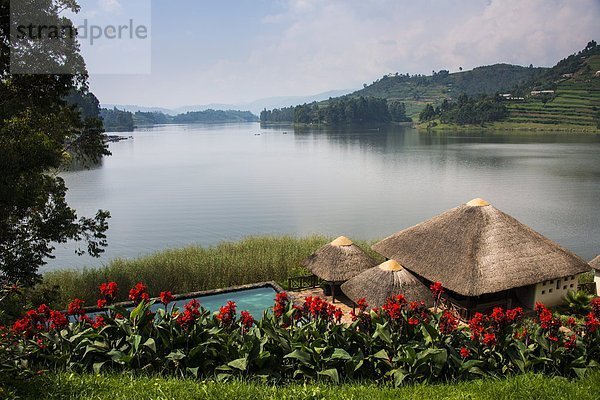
194 268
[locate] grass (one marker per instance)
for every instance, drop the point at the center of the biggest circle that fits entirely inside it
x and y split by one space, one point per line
117 387
528 127
194 268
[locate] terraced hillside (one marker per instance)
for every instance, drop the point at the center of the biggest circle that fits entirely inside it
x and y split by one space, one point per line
576 101
418 91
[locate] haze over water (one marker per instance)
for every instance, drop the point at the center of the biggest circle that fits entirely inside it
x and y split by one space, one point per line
172 186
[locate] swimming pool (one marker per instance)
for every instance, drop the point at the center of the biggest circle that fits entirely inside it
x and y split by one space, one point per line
255 299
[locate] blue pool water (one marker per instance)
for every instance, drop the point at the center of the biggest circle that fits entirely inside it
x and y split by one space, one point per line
255 301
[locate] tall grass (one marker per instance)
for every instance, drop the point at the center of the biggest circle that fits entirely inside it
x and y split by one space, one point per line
194 268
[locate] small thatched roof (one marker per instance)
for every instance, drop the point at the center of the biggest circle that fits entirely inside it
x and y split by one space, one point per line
595 263
475 249
375 285
338 261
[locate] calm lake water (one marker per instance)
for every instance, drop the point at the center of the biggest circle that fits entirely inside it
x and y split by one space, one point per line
172 186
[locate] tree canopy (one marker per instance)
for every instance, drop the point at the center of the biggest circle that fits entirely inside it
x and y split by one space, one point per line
46 120
342 110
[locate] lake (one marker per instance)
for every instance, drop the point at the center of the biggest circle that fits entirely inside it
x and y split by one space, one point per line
175 185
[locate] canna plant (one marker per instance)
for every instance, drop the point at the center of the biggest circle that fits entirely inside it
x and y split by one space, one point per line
399 342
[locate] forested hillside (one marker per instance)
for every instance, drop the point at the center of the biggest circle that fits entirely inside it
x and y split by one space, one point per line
565 97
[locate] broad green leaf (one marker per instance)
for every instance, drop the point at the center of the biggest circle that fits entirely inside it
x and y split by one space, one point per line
332 374
299 355
98 366
340 354
151 344
239 364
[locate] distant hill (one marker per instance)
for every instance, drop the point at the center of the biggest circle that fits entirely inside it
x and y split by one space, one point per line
565 97
418 90
255 106
567 94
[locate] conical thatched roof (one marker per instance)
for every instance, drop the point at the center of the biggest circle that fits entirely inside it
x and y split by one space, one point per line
375 285
338 261
595 263
475 249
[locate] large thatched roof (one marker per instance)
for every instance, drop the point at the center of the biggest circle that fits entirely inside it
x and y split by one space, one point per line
338 261
375 285
595 263
475 249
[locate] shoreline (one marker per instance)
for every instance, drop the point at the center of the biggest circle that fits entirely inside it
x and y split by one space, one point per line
509 127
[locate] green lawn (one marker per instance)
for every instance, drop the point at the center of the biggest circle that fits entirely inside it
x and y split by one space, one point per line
116 387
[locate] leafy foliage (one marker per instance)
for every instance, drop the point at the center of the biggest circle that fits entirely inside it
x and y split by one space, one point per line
39 131
116 120
467 110
398 343
342 110
206 116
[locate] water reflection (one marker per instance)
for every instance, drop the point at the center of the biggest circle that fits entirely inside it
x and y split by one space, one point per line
176 185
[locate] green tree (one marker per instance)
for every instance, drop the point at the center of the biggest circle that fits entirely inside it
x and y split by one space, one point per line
40 131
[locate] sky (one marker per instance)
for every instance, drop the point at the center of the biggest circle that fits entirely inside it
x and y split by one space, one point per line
234 51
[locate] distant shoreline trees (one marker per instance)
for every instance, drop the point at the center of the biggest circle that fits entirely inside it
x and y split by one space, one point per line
466 110
124 121
343 110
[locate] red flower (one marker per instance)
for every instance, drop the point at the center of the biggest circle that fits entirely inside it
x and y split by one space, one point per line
166 297
437 289
23 326
338 314
591 323
571 343
247 320
489 339
44 311
98 322
362 304
476 325
595 303
58 319
227 314
191 312
109 291
139 293
413 321
76 307
101 303
393 306
448 323
571 322
464 352
41 344
281 302
521 335
514 315
498 316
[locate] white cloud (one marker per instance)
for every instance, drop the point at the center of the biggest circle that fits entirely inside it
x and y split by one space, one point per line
110 6
319 45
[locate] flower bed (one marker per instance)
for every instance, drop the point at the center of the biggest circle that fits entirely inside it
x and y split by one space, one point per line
399 342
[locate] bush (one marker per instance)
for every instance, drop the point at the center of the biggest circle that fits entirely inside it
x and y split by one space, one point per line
399 342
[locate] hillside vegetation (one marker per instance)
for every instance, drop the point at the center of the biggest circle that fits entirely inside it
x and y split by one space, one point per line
575 101
418 90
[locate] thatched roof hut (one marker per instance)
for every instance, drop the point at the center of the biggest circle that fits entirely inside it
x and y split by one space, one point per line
595 263
338 261
476 249
375 285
